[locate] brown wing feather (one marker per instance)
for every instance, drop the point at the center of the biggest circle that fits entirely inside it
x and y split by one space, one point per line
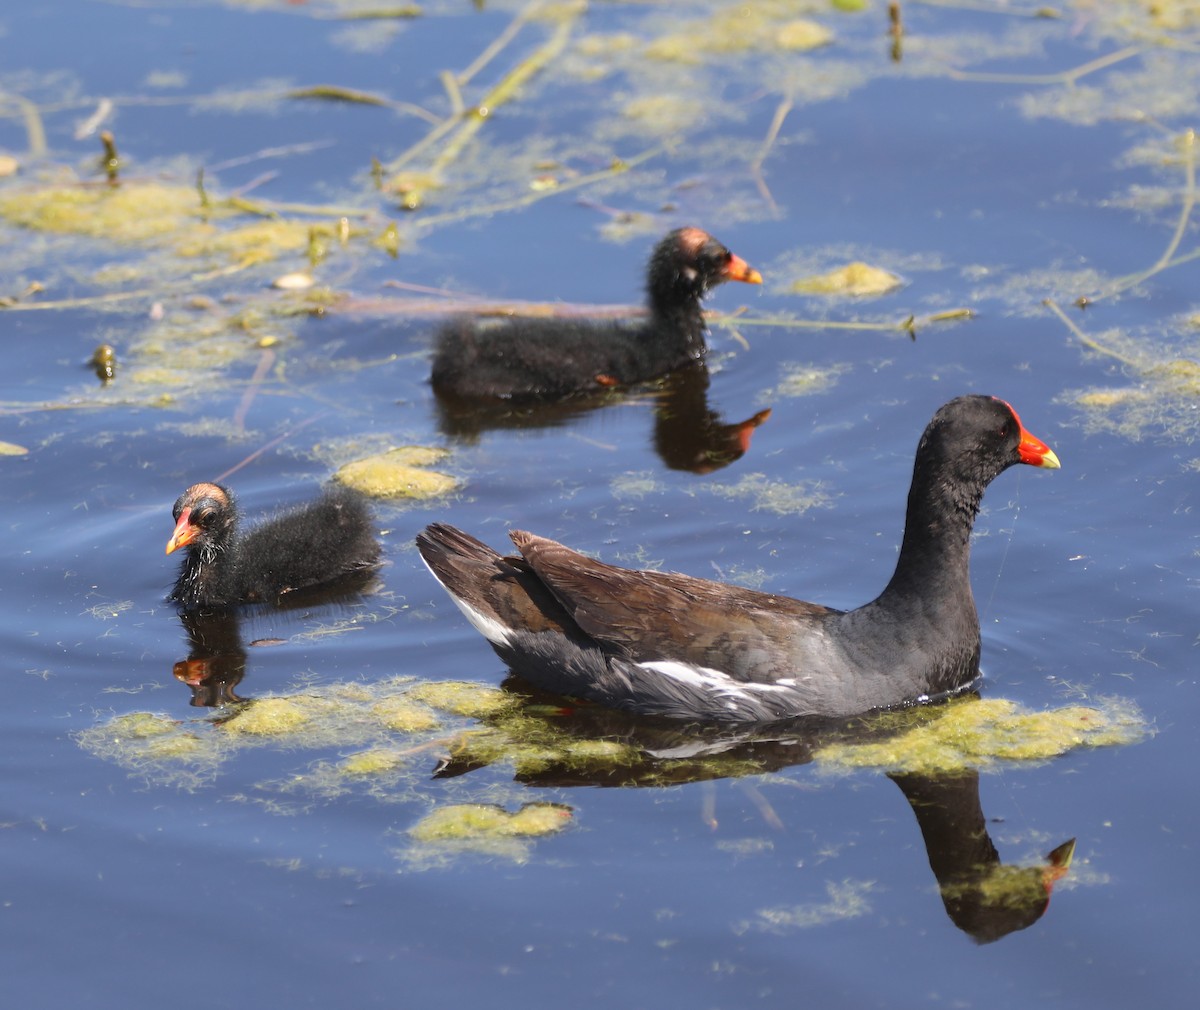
503 588
643 615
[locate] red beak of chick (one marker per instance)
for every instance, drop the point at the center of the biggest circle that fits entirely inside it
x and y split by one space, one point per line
184 533
737 269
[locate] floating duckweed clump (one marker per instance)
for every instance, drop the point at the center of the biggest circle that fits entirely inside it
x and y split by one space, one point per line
776 496
464 697
398 473
858 280
607 752
1103 399
403 716
847 900
804 380
354 716
635 484
759 27
662 114
171 752
176 747
802 34
269 717
250 244
971 733
532 745
479 822
139 212
141 726
371 762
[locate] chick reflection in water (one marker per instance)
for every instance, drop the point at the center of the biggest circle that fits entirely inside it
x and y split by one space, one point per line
688 434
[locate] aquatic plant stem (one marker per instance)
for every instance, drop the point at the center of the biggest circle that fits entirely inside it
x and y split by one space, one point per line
1071 76
1089 342
462 126
1166 260
295 430
756 166
35 130
525 200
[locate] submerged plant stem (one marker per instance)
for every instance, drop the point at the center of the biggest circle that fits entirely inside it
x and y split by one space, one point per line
756 166
624 165
1062 77
35 130
1089 342
1167 259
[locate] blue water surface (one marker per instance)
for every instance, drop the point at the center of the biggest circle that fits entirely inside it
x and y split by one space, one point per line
239 885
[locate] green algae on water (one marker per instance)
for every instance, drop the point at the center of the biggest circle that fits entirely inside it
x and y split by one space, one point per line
856 280
975 733
269 717
464 697
478 823
398 473
847 899
371 762
403 716
776 496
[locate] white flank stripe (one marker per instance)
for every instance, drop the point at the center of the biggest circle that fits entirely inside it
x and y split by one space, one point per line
700 676
708 679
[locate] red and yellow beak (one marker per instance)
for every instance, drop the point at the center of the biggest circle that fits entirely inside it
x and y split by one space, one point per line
184 533
737 269
1035 452
1032 449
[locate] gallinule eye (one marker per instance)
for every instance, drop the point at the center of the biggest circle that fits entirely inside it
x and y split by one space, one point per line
672 645
552 358
311 545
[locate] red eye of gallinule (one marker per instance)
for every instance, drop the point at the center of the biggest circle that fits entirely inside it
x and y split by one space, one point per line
552 358
672 645
313 544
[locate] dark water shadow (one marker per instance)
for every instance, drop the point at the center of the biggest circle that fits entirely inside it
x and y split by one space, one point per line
983 897
217 656
688 433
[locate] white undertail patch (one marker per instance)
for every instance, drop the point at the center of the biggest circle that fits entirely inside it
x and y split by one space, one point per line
488 627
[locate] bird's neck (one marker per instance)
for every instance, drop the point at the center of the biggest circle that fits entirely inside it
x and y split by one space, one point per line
932 580
677 319
207 575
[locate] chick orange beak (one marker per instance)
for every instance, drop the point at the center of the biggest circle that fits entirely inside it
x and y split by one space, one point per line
184 533
737 269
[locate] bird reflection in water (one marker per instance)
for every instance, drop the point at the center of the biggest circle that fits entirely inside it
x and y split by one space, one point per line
688 433
216 661
984 897
217 655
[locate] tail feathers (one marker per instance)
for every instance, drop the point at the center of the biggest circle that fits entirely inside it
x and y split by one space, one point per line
499 595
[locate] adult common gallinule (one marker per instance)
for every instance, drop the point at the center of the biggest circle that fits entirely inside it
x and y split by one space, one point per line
672 645
552 358
316 543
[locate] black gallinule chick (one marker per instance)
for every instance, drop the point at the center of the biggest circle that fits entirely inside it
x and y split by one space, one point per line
551 358
317 543
672 645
